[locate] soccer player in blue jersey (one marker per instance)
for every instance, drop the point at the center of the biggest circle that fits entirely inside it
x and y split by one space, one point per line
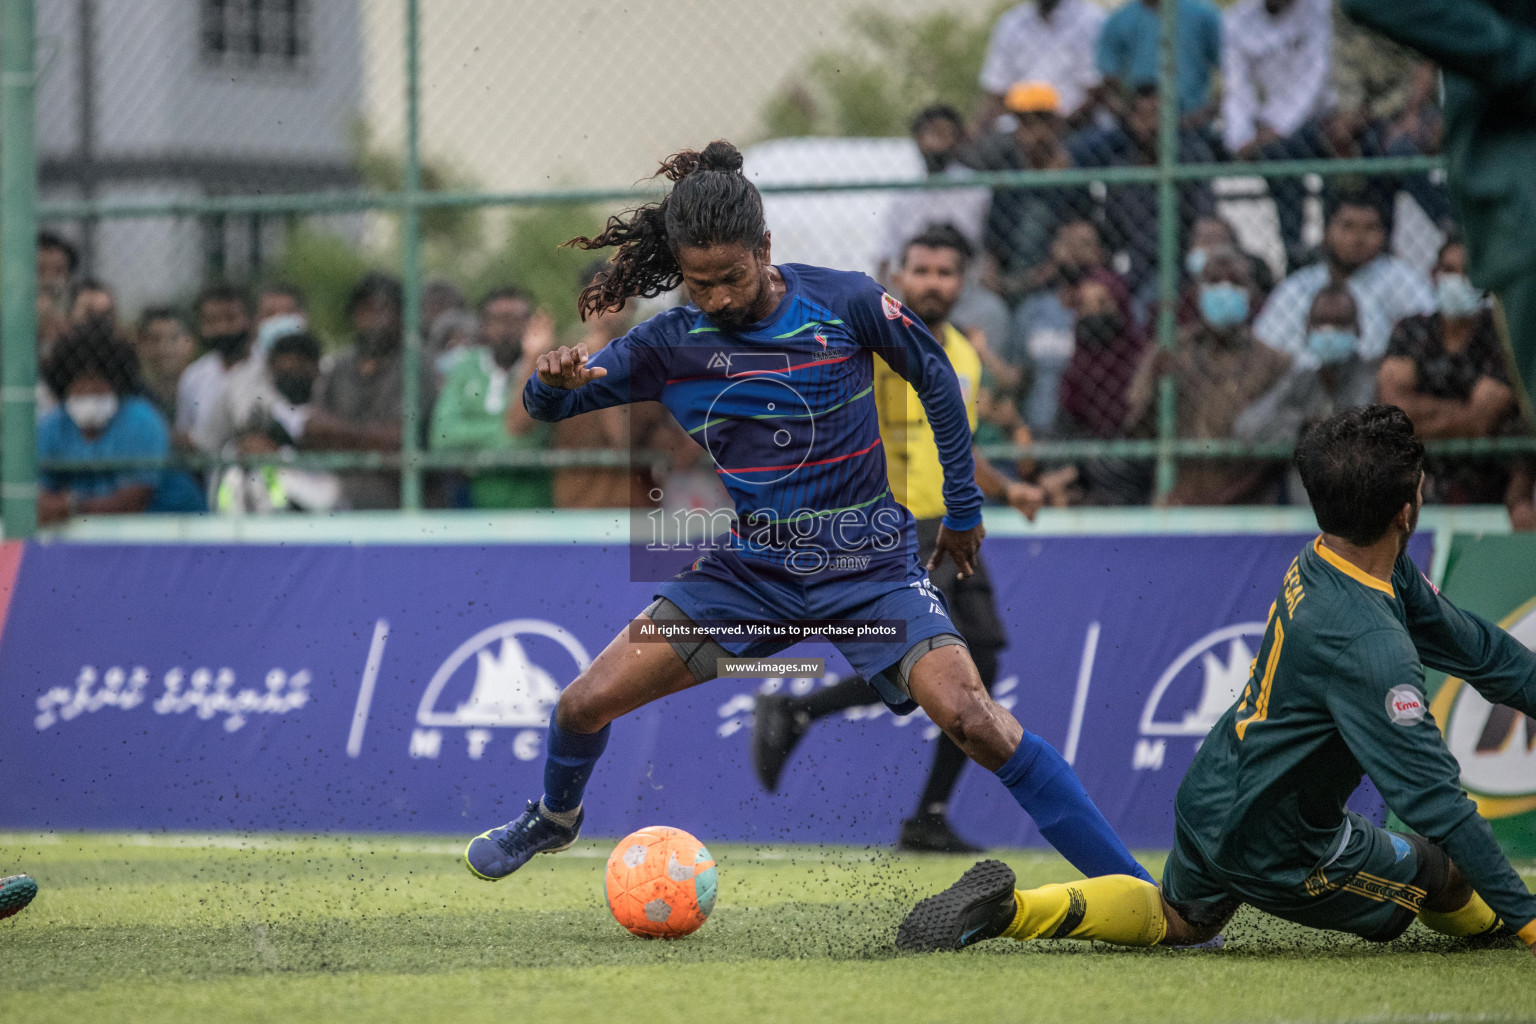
770 368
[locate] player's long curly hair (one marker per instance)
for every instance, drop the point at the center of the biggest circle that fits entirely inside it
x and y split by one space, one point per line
711 203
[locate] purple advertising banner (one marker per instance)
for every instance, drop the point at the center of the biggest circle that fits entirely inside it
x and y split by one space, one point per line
408 689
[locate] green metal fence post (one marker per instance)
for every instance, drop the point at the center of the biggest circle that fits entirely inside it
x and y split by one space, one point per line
18 268
410 241
1167 240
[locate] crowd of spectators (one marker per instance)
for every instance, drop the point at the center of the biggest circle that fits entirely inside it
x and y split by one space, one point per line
1061 309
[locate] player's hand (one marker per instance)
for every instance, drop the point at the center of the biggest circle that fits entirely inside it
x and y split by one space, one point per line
960 545
566 367
1026 497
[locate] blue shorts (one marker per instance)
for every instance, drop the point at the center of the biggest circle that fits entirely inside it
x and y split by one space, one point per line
722 586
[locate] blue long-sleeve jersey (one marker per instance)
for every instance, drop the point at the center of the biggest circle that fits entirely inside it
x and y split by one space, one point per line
786 409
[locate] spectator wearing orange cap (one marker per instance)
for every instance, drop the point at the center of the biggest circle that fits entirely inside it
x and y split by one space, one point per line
1022 221
1048 40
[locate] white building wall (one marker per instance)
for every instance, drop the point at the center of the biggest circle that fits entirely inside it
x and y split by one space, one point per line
160 97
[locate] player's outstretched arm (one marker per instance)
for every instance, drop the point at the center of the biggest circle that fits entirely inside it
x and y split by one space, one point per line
1460 643
568 381
897 336
1381 714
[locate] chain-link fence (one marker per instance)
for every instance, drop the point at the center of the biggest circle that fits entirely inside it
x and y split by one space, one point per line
299 256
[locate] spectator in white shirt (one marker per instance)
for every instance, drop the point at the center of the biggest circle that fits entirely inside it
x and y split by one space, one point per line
225 317
937 131
1042 40
1354 252
1277 80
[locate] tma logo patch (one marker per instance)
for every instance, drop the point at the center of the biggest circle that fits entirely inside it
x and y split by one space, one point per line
1495 745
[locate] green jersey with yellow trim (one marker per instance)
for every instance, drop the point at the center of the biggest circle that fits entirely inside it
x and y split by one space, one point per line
1337 689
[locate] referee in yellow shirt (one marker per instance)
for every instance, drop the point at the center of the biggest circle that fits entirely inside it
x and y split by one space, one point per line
928 282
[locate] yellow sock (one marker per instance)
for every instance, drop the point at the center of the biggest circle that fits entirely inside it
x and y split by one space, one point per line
1112 908
1473 919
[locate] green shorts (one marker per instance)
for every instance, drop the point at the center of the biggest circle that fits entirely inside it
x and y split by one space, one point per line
1372 886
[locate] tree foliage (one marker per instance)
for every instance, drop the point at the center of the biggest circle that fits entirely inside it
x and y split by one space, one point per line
889 69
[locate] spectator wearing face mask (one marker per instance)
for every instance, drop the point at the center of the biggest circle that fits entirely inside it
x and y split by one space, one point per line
1333 378
1213 231
1021 221
360 397
270 417
225 316
1107 351
102 416
244 406
1026 368
938 132
1448 372
1385 288
1218 370
480 408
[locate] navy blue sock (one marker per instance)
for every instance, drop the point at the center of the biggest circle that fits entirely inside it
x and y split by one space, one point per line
569 764
1051 793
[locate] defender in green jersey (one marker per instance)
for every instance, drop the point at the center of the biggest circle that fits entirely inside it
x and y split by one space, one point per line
1337 690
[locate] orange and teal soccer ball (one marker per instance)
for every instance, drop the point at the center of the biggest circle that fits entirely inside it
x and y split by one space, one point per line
661 883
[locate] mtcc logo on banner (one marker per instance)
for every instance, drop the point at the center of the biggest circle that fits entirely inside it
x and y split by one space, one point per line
1196 689
507 676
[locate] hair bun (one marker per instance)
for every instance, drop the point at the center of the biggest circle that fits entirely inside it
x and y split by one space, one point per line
720 156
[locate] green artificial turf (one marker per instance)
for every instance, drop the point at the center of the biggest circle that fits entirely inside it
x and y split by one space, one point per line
282 928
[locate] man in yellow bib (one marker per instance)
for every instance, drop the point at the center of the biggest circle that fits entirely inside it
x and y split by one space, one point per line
928 281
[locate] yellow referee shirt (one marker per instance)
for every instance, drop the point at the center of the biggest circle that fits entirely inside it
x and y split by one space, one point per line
911 454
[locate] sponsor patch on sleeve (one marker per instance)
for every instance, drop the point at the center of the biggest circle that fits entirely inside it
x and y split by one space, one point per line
891 306
1405 705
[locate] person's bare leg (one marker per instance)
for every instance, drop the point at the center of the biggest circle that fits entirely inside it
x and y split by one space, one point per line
1182 933
945 683
626 675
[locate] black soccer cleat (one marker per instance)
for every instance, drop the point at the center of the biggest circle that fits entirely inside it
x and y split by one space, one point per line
978 907
931 833
775 732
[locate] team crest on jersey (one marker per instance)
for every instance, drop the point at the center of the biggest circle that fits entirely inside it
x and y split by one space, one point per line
1405 705
891 306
